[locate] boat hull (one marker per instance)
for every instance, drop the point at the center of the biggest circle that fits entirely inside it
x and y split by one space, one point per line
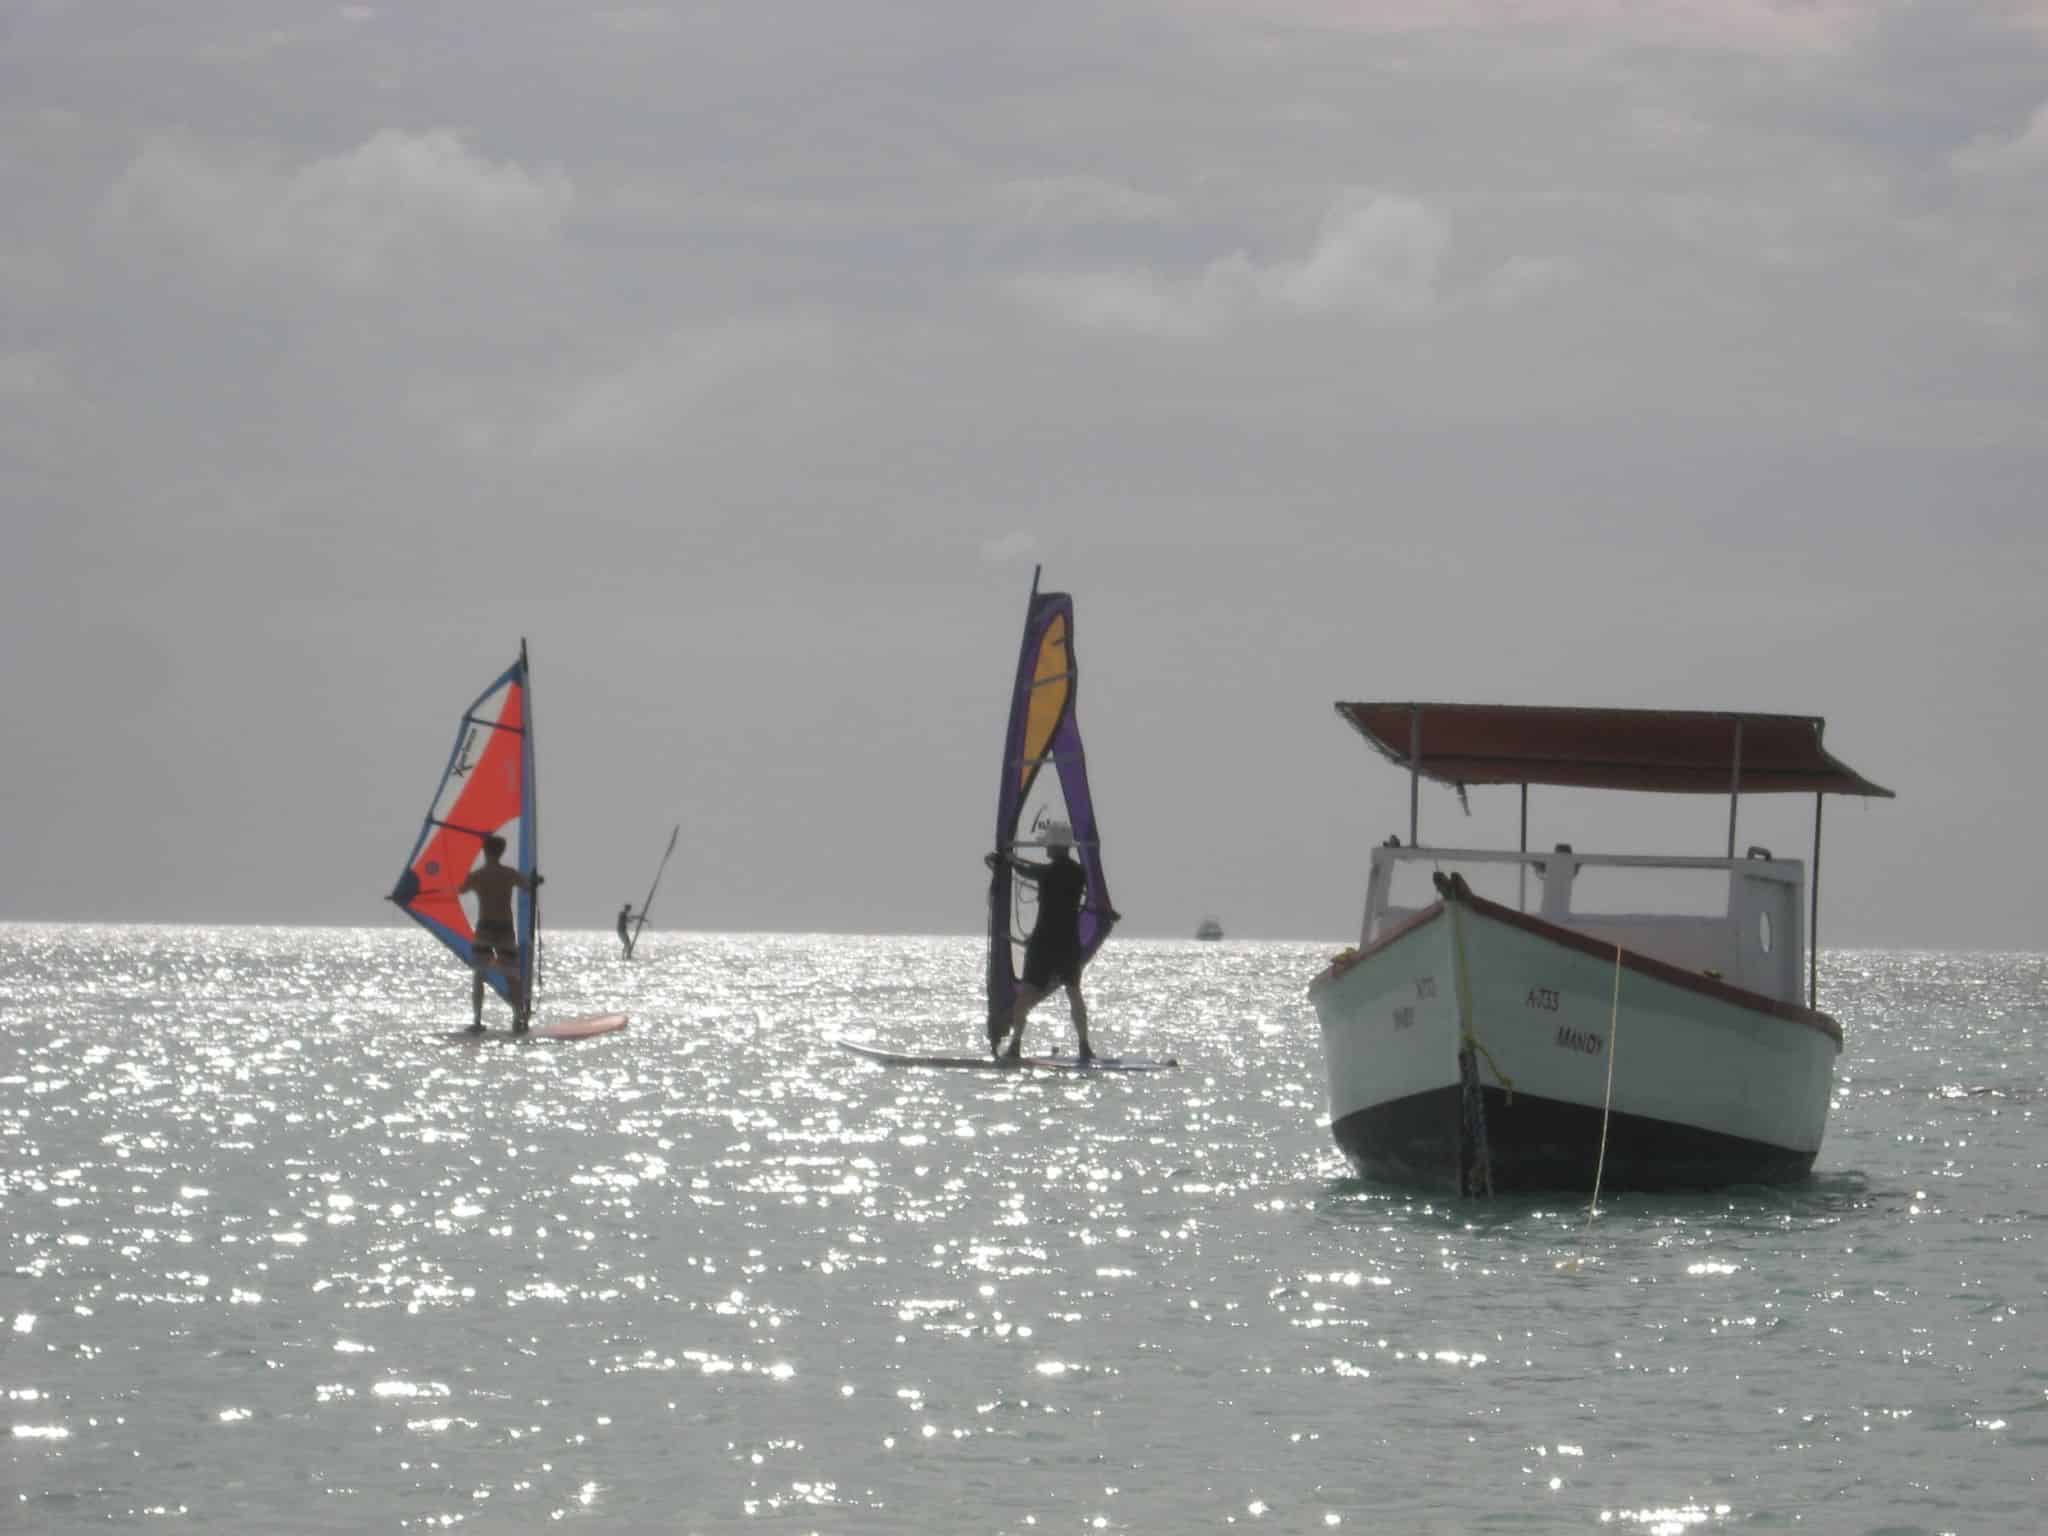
1543 1144
1470 1050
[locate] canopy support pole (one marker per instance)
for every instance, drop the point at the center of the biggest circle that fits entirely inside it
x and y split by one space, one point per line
1522 869
1734 788
1813 920
1414 775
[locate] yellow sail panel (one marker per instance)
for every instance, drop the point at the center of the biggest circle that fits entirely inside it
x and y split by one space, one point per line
1051 681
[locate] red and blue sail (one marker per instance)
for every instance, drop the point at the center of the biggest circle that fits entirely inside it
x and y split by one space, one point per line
487 789
1044 734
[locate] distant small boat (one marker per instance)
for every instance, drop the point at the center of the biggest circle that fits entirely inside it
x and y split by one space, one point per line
1209 928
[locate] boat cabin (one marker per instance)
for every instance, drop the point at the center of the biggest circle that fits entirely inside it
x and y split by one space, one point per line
1741 918
1737 920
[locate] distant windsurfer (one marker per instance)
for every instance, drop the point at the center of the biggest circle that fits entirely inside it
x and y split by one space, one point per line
496 945
1052 955
626 929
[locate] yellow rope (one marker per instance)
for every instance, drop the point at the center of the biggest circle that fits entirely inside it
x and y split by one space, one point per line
1465 1008
1505 1081
1607 1108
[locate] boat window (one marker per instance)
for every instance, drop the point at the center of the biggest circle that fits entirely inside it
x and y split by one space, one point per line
1413 889
1763 930
1609 891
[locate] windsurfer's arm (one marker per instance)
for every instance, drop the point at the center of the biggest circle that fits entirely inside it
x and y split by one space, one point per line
1025 867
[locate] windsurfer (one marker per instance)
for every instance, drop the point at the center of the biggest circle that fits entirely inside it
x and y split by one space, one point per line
496 946
626 928
1052 955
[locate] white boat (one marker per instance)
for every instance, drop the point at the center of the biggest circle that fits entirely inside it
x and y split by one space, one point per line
1531 1035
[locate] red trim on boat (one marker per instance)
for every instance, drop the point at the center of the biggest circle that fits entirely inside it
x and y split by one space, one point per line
1351 957
1661 970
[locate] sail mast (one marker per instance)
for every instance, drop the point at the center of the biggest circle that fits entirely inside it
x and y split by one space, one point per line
529 833
645 906
1002 980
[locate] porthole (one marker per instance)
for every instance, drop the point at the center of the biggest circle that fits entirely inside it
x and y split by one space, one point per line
1763 931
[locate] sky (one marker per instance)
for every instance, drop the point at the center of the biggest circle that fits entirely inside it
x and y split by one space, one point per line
746 359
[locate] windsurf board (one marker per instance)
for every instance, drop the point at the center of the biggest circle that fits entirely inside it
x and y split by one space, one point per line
1004 1064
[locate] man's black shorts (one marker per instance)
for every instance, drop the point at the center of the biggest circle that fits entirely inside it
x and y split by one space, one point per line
1049 967
496 944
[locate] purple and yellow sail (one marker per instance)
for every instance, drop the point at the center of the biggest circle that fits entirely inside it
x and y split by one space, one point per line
487 788
1044 733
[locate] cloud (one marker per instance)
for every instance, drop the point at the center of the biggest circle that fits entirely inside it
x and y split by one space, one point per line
360 221
1993 158
1523 278
1135 302
1741 26
1376 257
30 375
641 20
638 406
1058 202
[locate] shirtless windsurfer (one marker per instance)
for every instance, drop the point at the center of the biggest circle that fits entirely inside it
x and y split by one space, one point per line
496 945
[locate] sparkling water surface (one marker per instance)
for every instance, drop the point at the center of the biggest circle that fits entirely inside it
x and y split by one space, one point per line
280 1255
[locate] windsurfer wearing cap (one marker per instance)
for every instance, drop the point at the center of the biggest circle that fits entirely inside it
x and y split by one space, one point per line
496 945
1052 955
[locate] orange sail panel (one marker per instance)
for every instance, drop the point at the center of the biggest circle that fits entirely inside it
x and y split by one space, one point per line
1052 682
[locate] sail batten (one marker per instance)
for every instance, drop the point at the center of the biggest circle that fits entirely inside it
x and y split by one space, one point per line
1043 732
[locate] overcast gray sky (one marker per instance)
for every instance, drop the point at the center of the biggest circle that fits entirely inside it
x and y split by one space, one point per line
745 357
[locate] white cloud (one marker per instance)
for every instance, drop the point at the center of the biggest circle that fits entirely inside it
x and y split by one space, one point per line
1058 202
1992 158
357 221
1748 26
1525 277
1134 302
641 20
27 375
1377 256
640 404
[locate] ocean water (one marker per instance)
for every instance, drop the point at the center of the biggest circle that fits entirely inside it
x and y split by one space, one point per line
280 1256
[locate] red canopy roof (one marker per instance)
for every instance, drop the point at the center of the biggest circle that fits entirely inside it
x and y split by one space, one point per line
1673 750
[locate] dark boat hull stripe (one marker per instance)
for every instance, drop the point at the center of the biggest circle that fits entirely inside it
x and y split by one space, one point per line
1546 1144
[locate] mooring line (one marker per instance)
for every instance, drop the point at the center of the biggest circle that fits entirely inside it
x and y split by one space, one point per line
1607 1107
